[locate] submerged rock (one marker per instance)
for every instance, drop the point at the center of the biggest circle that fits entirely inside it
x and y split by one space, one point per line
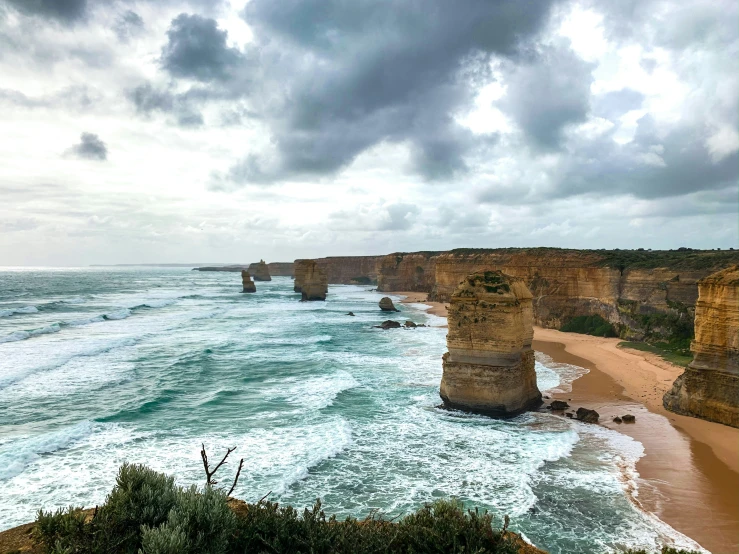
587 416
570 415
246 282
617 419
260 271
409 323
489 367
628 418
350 313
388 324
559 405
386 305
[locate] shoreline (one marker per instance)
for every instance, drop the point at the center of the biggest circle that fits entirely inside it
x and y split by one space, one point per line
437 308
689 474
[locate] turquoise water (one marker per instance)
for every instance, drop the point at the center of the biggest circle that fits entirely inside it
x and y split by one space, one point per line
101 366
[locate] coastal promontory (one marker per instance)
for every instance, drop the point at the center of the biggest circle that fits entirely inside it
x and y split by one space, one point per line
489 367
709 388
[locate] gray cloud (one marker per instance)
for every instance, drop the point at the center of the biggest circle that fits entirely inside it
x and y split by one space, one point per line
128 25
148 100
90 148
342 77
65 11
547 94
196 49
398 217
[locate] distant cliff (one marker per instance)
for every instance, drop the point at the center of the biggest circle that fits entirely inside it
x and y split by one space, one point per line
346 270
709 388
281 269
644 293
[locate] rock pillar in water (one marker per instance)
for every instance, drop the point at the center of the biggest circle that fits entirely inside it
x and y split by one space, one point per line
709 388
301 266
260 271
386 305
314 284
247 283
489 367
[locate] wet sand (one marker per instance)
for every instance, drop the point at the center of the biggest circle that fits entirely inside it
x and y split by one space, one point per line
437 308
689 476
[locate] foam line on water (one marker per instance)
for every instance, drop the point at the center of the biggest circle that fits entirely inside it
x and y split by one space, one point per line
23 335
16 455
23 310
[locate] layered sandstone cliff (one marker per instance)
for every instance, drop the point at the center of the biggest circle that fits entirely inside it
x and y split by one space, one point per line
246 282
709 388
260 271
489 367
314 282
643 293
281 269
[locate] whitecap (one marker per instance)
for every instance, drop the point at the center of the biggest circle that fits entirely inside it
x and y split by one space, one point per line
24 310
120 314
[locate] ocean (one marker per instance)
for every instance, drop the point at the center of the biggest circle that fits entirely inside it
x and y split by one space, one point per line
104 365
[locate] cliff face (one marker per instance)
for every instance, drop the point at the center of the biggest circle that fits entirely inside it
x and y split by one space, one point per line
281 269
489 367
341 270
246 282
709 388
314 282
409 272
260 271
642 292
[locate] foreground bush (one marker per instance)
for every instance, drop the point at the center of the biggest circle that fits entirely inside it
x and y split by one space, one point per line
146 513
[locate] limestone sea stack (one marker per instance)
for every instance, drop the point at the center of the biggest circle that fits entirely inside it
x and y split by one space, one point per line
247 283
300 267
386 305
314 285
260 271
709 388
489 367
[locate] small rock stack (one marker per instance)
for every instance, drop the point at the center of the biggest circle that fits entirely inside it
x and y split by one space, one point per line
260 271
489 367
314 285
386 305
247 283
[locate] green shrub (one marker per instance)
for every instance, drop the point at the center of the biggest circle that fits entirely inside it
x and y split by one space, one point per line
63 531
200 522
590 325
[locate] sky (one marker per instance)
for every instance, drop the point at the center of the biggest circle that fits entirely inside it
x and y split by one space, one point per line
229 131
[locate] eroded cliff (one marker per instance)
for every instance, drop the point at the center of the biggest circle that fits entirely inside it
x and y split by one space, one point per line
281 269
246 282
314 282
645 294
709 388
489 366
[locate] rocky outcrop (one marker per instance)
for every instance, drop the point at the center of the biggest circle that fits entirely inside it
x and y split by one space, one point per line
388 324
386 305
489 367
260 271
314 283
247 283
281 269
645 294
709 388
587 416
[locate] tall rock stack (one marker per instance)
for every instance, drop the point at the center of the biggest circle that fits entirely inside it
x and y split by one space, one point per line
489 367
260 271
247 283
314 285
709 388
300 267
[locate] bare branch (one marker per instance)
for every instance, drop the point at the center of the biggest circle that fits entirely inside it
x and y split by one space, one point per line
236 479
209 481
265 496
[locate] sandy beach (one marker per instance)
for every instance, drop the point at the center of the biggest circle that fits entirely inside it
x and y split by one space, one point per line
437 308
689 476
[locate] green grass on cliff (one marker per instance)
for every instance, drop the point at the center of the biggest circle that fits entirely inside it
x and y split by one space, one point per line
593 325
675 354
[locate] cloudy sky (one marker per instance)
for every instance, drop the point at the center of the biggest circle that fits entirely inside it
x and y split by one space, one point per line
205 130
